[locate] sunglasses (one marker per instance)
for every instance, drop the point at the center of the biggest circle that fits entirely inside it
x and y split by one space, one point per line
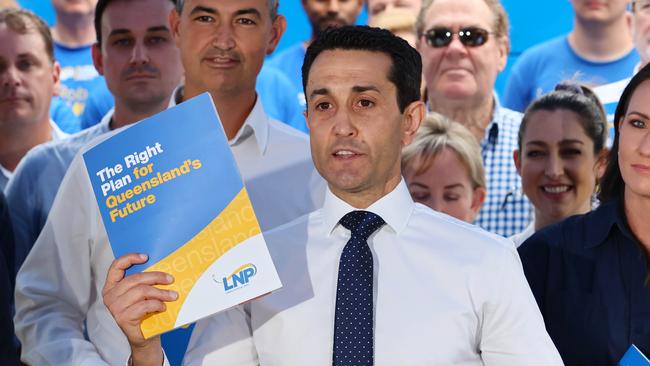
469 36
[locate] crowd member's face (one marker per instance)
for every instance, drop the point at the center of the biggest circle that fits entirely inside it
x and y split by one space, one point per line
445 185
138 56
323 14
28 78
74 6
357 131
557 164
634 144
641 30
456 71
600 11
376 7
223 43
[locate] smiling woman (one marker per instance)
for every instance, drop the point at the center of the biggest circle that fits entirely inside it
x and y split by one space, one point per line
560 144
589 273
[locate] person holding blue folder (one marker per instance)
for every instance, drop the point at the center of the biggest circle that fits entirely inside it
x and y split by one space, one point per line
222 45
370 278
589 273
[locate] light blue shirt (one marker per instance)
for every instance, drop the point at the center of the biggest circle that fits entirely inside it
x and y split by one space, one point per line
273 87
540 68
506 210
31 191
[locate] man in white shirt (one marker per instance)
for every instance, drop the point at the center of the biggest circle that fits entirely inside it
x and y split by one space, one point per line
29 77
223 44
410 286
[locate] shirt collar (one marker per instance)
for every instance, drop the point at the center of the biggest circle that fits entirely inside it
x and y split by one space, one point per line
256 124
6 173
607 217
395 208
492 129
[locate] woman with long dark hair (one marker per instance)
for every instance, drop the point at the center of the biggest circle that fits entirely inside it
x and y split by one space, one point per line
589 273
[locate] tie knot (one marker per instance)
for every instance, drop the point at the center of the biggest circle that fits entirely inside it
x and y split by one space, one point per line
362 223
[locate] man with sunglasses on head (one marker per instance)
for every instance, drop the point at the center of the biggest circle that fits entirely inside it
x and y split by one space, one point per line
598 51
464 45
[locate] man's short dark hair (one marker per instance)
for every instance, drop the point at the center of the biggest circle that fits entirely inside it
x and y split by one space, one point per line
24 21
99 12
405 71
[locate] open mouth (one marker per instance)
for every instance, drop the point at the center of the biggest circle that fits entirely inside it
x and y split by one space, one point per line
345 154
221 62
556 189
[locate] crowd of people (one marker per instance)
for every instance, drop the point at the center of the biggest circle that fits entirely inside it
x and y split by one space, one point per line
414 215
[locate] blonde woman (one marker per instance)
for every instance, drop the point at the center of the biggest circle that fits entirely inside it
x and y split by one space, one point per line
443 168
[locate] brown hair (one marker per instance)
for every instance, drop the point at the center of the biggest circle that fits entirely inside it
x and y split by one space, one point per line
24 21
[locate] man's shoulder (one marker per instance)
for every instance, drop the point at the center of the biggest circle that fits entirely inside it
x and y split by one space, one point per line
450 232
547 48
542 55
293 52
65 149
282 133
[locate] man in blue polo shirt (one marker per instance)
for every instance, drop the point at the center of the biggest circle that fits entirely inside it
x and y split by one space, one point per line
598 51
74 35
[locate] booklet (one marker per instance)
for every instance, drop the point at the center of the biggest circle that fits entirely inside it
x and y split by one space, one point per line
169 187
634 357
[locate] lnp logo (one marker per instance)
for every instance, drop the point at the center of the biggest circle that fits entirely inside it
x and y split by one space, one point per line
238 278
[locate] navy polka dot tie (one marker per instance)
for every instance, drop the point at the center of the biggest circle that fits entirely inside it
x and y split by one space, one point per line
353 324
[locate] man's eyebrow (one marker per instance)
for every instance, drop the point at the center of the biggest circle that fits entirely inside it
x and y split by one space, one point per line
321 91
363 88
118 31
158 28
203 9
246 11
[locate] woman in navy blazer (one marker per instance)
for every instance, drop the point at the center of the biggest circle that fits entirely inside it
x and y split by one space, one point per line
589 273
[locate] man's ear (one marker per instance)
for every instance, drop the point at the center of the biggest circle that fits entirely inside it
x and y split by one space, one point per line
174 23
56 78
517 159
278 28
96 52
504 49
413 117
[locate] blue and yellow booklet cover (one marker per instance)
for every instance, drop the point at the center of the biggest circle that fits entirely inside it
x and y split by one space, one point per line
169 187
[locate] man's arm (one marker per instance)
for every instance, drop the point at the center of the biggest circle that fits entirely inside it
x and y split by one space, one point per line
513 331
54 287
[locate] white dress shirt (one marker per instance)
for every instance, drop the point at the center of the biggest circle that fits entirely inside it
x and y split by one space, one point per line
59 287
445 293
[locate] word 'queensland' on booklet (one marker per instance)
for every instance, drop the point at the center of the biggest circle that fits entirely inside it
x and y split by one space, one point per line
169 187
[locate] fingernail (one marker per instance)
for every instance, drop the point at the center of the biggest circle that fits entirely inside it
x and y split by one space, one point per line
173 295
169 278
143 257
